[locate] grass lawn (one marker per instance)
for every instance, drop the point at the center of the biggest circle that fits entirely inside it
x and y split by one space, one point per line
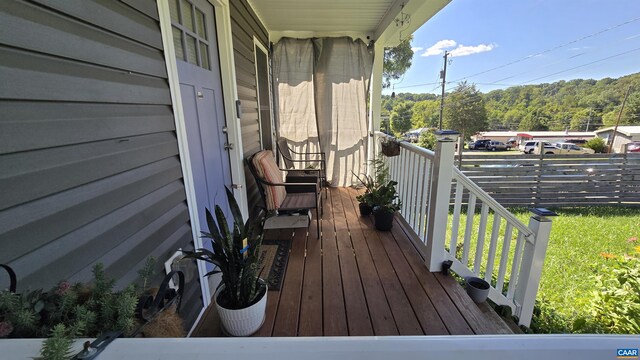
581 241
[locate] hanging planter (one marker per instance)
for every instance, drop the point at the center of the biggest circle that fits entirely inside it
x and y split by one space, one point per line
390 147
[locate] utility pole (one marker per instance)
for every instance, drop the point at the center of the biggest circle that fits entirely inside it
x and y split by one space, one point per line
588 120
443 76
615 130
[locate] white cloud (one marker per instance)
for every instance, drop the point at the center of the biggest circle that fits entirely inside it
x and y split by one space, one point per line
416 49
439 47
463 50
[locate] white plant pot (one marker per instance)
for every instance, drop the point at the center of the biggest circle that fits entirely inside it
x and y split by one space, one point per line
242 322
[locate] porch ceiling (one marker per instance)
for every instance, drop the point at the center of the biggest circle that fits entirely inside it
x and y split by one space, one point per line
356 18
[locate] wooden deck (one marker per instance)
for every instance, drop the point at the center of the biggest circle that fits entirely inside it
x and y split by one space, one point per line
356 281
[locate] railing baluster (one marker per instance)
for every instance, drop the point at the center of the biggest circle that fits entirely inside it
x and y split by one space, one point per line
410 199
517 257
414 189
504 257
421 199
482 230
491 258
427 196
471 208
455 224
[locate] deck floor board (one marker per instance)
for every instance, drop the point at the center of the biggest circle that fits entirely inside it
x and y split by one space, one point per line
357 281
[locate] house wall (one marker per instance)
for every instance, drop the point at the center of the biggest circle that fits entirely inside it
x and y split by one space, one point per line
244 26
89 166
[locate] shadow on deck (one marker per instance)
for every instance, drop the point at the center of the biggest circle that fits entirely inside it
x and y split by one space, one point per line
357 281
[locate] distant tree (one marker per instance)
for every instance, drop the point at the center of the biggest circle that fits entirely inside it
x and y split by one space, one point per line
533 122
427 140
397 61
425 114
597 144
465 111
400 118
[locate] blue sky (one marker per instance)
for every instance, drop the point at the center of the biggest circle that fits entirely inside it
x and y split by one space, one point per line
485 34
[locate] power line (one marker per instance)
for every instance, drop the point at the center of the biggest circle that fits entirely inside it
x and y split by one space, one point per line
583 65
557 62
551 49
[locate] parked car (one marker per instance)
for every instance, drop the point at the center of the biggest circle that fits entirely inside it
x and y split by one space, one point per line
527 147
577 141
497 145
548 148
479 144
633 147
569 148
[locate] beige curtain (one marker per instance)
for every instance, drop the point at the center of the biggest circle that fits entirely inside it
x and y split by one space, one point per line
294 94
321 88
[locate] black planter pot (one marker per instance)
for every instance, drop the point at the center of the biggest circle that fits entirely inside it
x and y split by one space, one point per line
383 220
365 209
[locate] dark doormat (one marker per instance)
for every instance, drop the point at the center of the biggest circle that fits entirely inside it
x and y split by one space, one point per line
276 255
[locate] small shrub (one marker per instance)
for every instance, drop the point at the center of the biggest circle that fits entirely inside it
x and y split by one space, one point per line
615 306
597 144
427 140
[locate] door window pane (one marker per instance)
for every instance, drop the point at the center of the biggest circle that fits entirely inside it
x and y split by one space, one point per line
177 42
200 27
192 55
204 54
187 16
173 10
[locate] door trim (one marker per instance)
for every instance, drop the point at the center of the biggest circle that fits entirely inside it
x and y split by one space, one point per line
258 44
181 133
229 97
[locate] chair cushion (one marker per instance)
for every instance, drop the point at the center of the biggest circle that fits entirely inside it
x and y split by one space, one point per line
266 167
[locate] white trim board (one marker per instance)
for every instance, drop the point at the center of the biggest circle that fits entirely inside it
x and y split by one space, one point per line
229 94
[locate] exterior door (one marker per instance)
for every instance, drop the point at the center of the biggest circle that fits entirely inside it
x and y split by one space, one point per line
194 37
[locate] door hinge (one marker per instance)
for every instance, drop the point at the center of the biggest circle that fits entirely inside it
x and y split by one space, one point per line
236 186
228 146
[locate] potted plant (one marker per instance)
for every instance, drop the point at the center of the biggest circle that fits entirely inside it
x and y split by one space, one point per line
366 201
241 298
386 203
390 146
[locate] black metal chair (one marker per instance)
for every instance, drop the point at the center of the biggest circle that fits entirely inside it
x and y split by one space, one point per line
299 196
301 158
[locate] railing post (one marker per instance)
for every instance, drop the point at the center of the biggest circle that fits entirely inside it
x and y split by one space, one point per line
535 251
440 196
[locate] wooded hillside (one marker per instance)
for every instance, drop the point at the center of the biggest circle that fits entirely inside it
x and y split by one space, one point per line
579 105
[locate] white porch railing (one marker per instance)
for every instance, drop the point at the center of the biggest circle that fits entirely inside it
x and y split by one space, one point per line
501 249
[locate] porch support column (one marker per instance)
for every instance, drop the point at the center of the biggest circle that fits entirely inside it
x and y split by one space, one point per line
535 250
375 102
440 196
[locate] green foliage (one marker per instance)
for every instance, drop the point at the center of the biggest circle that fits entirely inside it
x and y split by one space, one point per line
615 305
465 111
400 118
147 272
385 198
58 345
597 144
236 253
381 176
397 61
84 310
427 140
426 113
